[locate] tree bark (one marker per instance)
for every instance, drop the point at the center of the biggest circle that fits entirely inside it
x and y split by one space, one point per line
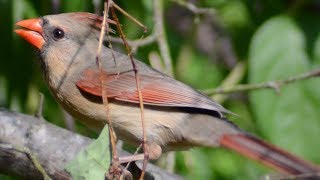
52 147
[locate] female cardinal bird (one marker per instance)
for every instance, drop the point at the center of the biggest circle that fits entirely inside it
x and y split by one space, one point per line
176 115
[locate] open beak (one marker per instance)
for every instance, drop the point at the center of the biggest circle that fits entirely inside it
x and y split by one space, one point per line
31 32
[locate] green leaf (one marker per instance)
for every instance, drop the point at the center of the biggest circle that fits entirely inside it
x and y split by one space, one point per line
287 119
92 162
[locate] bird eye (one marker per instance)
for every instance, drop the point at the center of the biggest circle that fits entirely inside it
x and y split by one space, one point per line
58 33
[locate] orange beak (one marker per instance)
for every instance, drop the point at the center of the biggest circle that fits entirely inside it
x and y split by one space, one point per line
32 33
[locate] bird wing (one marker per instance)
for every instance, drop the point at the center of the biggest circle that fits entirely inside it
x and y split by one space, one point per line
158 90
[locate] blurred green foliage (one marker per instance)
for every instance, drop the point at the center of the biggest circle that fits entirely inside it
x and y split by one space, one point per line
276 39
296 106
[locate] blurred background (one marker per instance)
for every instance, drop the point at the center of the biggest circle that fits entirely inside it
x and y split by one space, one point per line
212 43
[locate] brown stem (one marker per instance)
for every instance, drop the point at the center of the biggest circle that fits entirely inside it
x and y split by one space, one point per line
136 72
275 85
104 91
193 8
129 16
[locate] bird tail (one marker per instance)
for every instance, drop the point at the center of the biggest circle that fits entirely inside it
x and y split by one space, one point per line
267 154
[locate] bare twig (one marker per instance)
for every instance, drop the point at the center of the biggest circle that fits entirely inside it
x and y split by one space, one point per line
158 35
135 44
32 158
137 77
193 8
104 91
275 85
161 38
39 111
132 157
129 16
138 42
68 120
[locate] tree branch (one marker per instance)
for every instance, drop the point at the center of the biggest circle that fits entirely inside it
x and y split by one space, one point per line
162 38
276 85
50 145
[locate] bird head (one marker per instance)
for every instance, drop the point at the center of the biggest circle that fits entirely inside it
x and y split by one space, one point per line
61 35
63 40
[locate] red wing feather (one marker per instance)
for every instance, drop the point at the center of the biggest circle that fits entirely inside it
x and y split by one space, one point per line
156 90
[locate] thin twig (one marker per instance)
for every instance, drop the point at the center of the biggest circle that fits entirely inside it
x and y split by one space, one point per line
276 85
132 157
138 42
109 40
193 8
32 158
104 91
129 16
68 121
161 38
137 77
39 111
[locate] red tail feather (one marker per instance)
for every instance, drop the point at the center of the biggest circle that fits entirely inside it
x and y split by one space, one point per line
267 154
